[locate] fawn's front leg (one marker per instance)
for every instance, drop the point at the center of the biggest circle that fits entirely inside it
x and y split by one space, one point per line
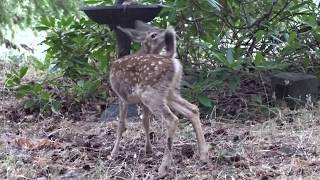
171 121
123 110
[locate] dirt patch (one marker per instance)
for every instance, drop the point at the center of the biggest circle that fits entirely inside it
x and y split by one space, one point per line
78 147
62 148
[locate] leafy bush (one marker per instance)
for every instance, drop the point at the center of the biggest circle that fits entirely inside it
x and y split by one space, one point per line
76 64
240 37
78 48
13 79
38 98
219 42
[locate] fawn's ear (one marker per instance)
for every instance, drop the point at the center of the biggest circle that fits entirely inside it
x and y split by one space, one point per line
142 26
170 42
135 35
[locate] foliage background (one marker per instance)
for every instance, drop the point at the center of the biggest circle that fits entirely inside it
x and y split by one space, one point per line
222 45
228 48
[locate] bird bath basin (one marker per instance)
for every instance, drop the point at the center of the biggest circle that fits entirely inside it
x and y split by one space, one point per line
122 15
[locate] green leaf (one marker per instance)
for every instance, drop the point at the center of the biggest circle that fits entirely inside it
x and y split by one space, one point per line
66 21
23 71
55 106
292 37
220 57
230 58
52 21
12 79
24 90
46 21
257 99
90 2
9 83
299 6
42 28
234 82
38 64
45 95
215 4
186 84
310 20
99 2
205 101
259 35
29 103
259 59
36 88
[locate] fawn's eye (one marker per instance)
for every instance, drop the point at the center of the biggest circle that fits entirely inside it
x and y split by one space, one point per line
154 35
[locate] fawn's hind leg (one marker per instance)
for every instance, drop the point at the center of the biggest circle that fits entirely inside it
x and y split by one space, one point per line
146 126
157 104
190 111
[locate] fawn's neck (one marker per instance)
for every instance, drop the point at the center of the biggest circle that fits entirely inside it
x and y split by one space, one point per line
142 51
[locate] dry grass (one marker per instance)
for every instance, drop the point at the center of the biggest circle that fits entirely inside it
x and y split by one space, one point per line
78 147
286 147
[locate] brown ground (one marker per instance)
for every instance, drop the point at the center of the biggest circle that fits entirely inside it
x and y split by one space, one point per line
60 147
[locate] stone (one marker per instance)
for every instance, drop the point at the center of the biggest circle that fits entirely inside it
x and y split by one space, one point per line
112 112
294 88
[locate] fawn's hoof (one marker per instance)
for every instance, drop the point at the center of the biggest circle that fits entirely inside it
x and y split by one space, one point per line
163 170
149 150
204 158
114 154
162 176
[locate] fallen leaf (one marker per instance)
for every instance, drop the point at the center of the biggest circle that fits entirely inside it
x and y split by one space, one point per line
17 177
24 143
40 161
44 143
28 144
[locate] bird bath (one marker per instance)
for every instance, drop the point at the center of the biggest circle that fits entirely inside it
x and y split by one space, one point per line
124 16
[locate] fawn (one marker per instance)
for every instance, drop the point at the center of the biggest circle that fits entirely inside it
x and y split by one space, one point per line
153 80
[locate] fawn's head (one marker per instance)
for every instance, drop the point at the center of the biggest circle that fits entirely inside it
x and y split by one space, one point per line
152 39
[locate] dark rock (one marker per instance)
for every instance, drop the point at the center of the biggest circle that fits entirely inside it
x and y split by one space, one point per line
112 112
235 158
264 178
86 167
294 87
71 175
187 150
221 132
236 138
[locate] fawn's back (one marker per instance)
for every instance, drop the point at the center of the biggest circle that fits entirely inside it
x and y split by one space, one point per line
132 74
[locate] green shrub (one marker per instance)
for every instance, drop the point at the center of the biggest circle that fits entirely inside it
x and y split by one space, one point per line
219 42
76 64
